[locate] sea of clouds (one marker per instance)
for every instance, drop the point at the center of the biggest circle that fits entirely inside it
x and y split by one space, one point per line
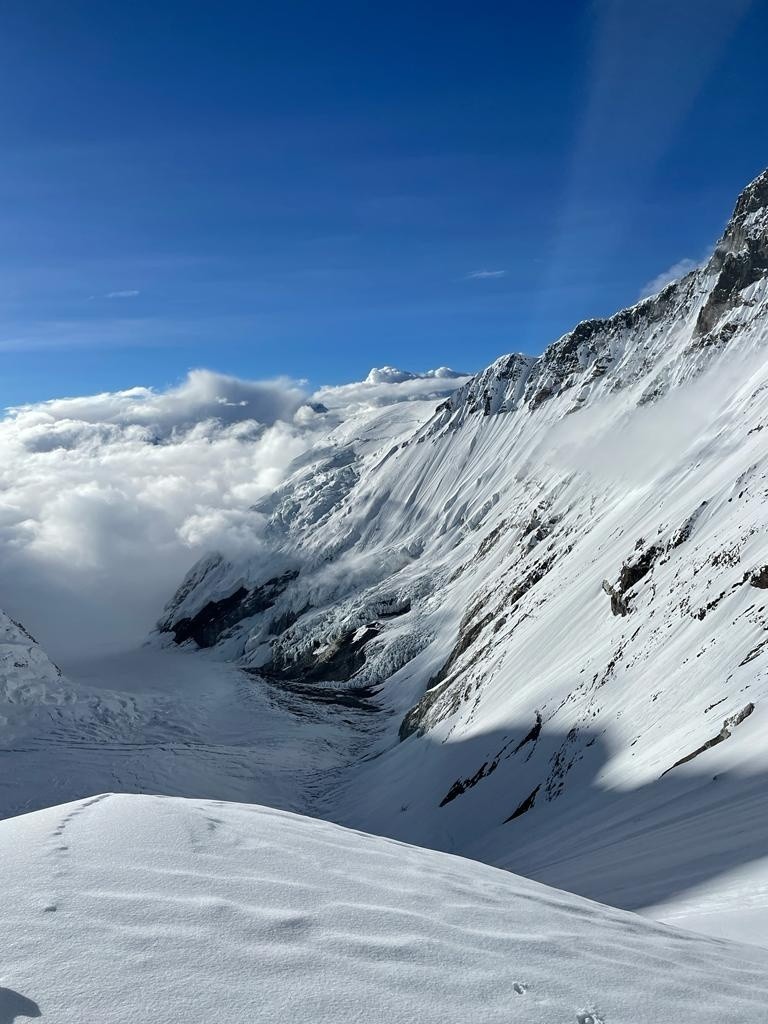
106 500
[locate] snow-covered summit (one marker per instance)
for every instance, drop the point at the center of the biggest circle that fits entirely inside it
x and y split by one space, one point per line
126 909
664 339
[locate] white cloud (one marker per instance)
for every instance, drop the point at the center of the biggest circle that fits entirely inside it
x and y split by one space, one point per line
673 273
476 275
129 293
106 500
386 384
202 396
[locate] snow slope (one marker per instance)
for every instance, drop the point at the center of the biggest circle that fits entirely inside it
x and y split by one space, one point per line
553 591
527 626
126 909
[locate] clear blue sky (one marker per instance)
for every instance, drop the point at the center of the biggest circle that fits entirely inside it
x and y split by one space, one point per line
305 188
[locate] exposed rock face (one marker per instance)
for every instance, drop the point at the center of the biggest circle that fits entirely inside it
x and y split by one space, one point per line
632 571
498 389
208 625
618 604
337 661
741 256
725 734
526 805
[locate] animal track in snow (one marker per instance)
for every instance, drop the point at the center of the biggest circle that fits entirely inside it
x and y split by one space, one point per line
589 1017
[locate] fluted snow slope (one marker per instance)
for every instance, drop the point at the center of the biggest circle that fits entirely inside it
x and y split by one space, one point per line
553 592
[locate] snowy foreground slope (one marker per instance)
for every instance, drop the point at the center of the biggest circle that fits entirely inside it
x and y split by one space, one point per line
552 595
126 909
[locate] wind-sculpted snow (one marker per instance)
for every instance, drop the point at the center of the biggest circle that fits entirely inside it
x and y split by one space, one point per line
126 909
576 540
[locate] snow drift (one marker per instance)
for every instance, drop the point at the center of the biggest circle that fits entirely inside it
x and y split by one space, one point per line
127 909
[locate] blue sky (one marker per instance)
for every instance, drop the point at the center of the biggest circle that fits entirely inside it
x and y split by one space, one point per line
312 189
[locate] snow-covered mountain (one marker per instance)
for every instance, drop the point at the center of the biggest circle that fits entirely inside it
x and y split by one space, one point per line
125 909
550 593
525 622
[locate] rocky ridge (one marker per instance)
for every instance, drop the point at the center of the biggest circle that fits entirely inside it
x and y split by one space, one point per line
567 546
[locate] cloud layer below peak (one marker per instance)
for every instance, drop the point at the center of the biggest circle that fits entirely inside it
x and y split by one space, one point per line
105 500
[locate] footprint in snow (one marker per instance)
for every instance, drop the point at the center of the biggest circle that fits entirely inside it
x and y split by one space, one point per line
589 1017
520 988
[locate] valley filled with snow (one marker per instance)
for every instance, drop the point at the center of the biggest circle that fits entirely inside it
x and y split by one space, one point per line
519 617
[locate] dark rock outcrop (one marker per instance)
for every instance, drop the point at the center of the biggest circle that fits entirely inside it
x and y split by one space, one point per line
208 625
632 571
526 805
337 662
724 734
740 257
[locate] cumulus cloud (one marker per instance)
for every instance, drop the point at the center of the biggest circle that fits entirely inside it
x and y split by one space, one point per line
203 397
387 384
668 276
475 275
106 500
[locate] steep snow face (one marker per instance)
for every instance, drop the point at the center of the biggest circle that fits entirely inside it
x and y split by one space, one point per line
554 589
127 909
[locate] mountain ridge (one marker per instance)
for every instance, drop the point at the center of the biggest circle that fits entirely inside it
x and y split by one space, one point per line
541 587
526 624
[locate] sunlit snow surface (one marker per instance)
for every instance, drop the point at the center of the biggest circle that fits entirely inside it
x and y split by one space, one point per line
121 909
507 709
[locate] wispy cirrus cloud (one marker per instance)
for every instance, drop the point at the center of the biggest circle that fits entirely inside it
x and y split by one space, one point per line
479 275
127 293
